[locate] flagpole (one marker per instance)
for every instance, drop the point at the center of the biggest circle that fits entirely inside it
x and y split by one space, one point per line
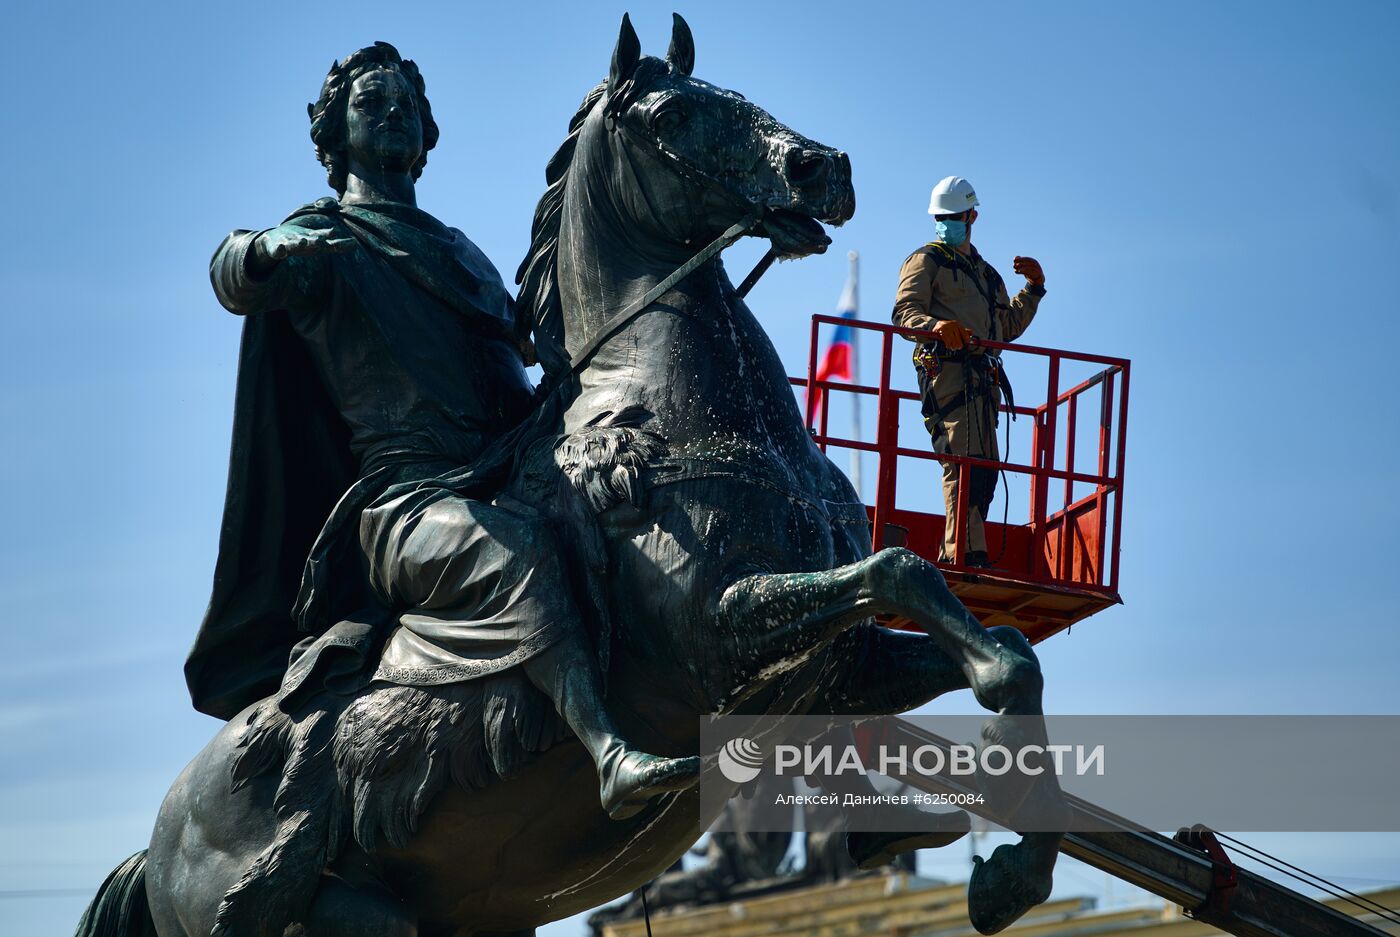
856 399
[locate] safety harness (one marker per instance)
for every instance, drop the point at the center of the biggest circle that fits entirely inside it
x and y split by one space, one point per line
981 370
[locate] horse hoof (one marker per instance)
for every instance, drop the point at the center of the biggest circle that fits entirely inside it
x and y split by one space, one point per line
875 849
638 778
1004 887
1013 681
1013 684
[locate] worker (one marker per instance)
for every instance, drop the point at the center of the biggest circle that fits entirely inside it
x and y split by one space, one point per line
946 288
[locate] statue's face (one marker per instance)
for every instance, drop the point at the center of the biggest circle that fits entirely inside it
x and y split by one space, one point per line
382 125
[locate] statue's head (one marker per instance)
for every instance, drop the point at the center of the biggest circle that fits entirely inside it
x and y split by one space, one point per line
372 108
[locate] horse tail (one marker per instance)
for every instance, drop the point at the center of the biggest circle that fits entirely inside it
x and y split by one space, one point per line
120 908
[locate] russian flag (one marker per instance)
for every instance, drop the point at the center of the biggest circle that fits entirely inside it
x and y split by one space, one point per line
838 361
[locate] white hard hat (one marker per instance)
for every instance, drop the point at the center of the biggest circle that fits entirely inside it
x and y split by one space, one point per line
952 196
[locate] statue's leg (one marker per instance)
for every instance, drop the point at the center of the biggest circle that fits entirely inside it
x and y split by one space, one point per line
474 576
567 672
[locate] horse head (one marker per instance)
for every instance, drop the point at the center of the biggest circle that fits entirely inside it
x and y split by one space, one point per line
657 164
726 156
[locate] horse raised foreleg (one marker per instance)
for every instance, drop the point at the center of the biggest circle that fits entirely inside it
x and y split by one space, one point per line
899 671
1003 672
1000 669
775 622
879 671
778 620
781 619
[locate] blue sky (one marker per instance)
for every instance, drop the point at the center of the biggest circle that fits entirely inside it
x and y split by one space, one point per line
1211 188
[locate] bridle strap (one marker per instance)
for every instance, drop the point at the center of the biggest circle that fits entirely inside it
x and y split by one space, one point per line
684 167
621 319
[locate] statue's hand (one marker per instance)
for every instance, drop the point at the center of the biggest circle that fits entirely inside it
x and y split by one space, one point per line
295 240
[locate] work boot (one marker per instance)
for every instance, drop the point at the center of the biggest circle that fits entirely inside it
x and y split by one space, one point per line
977 559
629 779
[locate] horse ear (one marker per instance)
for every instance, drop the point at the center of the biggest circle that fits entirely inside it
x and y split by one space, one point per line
681 55
626 56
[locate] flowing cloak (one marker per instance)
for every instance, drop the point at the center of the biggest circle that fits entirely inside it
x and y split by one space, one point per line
291 465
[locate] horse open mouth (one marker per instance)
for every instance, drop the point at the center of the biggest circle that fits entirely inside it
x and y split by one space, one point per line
793 234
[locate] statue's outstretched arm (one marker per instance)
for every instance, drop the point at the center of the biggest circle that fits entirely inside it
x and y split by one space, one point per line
280 268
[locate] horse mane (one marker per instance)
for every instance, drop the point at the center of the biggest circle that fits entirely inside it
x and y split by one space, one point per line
537 275
539 288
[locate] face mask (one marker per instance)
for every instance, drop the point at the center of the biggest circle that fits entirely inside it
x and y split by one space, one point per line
952 233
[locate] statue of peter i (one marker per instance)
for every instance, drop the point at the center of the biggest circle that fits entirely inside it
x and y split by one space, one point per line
381 350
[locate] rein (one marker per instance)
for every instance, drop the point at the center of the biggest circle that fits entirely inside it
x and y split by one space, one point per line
735 231
708 253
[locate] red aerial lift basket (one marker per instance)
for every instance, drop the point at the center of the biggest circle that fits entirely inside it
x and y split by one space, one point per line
1060 565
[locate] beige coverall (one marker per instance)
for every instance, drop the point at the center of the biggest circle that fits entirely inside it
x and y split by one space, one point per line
960 408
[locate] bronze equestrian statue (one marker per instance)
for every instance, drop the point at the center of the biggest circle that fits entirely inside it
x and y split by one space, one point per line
465 630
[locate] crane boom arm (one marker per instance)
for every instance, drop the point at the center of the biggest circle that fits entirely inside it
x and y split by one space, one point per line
1212 889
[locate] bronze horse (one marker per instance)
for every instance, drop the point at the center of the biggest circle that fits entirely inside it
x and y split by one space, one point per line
737 568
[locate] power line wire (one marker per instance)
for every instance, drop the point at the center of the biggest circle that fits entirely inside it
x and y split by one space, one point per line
1313 879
